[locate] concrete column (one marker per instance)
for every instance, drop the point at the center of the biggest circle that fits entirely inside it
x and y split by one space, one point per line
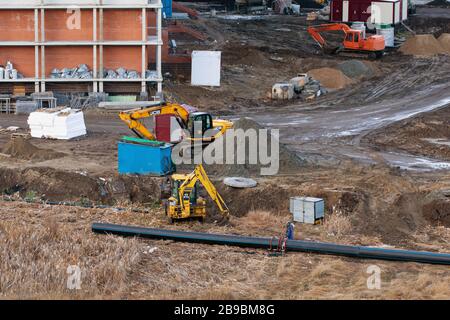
101 38
94 53
36 50
144 51
158 49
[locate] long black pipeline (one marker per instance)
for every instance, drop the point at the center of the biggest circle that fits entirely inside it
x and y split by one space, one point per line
270 243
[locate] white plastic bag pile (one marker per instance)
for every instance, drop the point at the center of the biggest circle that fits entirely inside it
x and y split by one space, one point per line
62 124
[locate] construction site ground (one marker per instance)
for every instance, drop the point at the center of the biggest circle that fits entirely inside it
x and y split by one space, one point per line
377 151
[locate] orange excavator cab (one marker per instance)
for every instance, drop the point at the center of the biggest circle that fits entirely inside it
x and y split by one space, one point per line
354 40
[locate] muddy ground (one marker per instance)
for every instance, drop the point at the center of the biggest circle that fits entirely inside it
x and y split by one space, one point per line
360 148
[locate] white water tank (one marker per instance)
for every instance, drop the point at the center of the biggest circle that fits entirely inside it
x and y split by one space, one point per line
388 34
359 26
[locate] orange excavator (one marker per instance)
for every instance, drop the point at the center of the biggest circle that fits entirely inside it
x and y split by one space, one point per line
354 40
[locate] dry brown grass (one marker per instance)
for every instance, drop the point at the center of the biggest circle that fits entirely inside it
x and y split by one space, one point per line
35 259
37 243
337 224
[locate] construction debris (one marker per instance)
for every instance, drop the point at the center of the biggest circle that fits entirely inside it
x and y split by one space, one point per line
303 86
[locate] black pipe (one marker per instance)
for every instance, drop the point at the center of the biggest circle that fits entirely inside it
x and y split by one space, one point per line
273 243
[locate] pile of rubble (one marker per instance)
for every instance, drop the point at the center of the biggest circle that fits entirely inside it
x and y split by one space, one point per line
301 87
8 72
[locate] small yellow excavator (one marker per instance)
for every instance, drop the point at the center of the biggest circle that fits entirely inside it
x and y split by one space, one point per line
186 116
185 201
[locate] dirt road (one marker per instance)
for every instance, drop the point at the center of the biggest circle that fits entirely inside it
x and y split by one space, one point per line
331 129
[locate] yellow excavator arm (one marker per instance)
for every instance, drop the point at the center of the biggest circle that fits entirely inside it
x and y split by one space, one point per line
200 175
133 119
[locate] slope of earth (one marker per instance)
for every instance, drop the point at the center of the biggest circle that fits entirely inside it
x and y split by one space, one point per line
423 135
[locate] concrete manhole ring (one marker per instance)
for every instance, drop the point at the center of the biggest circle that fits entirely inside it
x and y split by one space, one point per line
237 182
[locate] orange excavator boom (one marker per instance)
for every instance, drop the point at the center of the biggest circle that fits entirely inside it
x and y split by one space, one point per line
315 31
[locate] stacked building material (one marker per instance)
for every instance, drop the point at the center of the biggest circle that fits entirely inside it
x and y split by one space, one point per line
82 71
62 124
9 72
122 73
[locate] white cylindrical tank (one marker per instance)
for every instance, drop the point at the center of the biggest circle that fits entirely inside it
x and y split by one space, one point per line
359 26
388 34
7 74
14 74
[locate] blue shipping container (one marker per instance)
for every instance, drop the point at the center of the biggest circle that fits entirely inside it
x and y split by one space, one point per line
145 159
167 8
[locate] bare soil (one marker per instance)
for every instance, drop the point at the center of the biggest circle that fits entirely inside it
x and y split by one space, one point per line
426 135
372 203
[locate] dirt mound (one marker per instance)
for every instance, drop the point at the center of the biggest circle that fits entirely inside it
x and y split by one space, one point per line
355 69
245 55
425 45
21 148
51 184
444 40
330 78
288 160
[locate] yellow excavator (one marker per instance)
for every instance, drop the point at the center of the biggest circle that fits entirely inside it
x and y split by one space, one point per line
185 201
186 116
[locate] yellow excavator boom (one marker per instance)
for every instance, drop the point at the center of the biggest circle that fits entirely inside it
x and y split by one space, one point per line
199 174
182 112
132 117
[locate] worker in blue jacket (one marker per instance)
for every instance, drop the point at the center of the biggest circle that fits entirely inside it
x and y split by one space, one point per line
290 232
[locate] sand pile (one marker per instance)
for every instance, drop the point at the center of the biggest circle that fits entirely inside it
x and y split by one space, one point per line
330 78
355 69
288 160
22 149
425 45
444 41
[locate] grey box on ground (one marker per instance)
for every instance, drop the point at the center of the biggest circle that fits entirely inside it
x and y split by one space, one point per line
26 107
307 209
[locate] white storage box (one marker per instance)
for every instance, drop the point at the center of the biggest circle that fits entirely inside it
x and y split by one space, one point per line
307 209
206 68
